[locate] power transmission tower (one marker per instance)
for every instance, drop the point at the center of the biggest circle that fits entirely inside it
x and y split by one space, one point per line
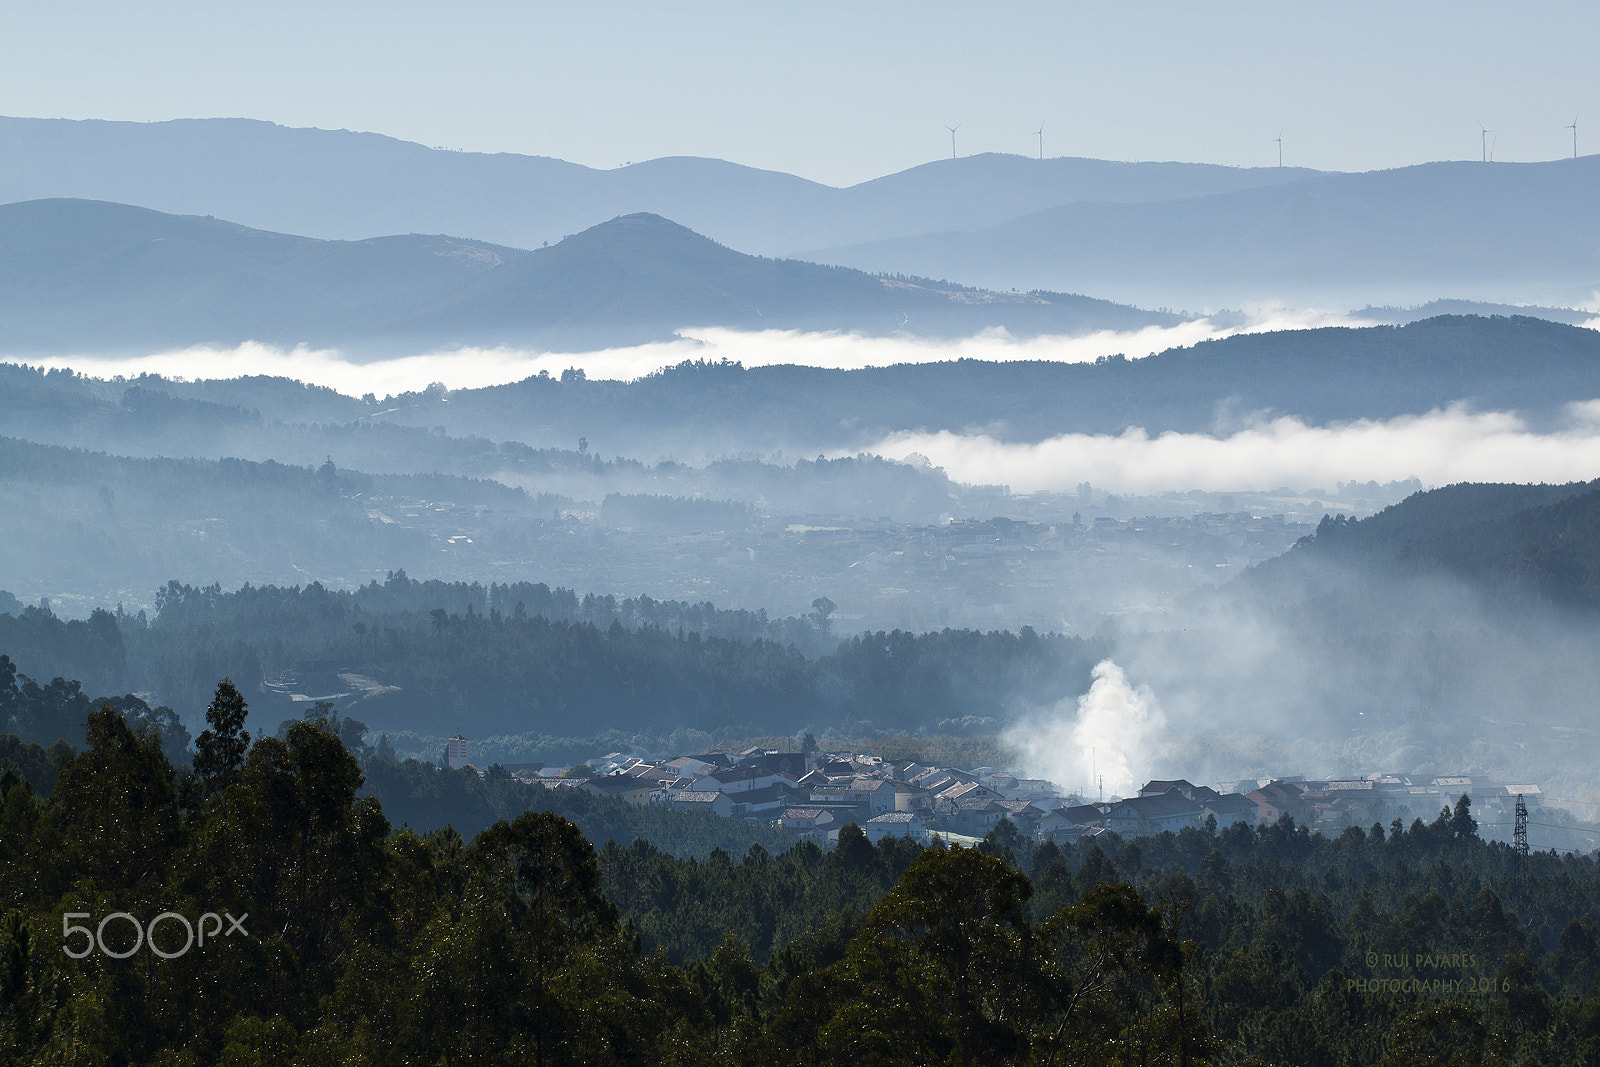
1519 837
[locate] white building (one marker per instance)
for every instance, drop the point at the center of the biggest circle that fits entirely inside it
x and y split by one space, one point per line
456 752
896 824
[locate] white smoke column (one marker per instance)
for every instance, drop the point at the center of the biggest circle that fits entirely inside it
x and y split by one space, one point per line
1117 730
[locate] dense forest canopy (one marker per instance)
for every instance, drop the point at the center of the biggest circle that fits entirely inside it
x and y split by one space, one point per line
349 941
1528 540
525 658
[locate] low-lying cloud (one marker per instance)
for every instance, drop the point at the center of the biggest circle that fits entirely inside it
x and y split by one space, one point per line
1438 448
471 368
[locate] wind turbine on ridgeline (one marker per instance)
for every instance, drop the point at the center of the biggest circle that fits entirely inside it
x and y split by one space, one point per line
1279 139
1573 126
1039 133
953 130
1483 140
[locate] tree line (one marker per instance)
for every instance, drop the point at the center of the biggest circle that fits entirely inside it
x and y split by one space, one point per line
522 659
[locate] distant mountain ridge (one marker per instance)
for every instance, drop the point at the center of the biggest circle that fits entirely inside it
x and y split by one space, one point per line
1496 232
78 275
1157 234
338 184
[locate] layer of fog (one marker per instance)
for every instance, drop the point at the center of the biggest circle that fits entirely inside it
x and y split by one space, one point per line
471 368
1438 448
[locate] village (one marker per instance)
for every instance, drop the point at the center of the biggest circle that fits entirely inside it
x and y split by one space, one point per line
816 794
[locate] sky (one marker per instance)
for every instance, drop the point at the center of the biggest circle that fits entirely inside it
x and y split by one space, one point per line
838 92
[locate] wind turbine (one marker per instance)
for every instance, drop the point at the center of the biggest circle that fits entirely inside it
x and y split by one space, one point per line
1039 133
1279 139
1483 140
1573 126
953 130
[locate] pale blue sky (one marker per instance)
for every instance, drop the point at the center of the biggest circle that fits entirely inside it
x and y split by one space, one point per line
838 92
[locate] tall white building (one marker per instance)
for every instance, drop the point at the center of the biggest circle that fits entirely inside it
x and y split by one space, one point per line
456 753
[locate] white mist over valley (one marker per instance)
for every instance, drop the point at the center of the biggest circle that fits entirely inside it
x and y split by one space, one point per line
475 368
1436 448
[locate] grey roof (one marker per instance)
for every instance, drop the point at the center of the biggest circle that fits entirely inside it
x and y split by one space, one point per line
1086 813
1229 803
894 817
1161 806
1280 791
617 783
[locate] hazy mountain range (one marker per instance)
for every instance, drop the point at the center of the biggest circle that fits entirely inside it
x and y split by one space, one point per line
1503 231
339 184
78 274
1158 234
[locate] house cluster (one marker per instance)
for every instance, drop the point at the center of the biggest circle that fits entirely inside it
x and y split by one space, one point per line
1384 797
816 794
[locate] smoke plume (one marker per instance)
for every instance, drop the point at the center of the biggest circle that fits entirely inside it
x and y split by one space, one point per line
1112 735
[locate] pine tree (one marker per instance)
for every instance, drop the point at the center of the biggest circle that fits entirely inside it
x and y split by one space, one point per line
220 750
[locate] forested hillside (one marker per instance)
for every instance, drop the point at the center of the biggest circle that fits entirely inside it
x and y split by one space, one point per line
439 658
335 937
1540 541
